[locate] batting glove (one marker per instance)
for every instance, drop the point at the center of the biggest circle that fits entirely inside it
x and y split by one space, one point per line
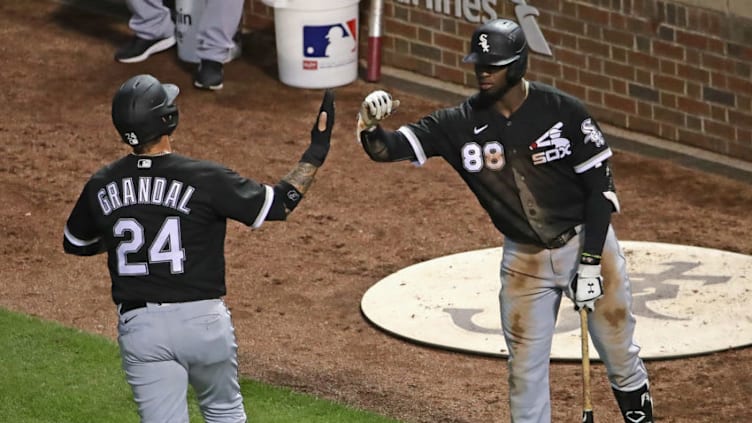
586 286
377 106
321 136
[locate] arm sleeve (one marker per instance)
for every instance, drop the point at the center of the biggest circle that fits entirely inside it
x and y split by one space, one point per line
81 236
590 155
415 141
386 146
600 202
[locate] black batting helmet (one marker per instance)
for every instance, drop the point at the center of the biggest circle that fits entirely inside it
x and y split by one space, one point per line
500 42
143 109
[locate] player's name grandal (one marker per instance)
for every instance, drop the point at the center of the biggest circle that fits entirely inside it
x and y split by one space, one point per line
145 190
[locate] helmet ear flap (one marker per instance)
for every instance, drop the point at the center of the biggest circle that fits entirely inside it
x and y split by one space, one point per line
517 70
171 121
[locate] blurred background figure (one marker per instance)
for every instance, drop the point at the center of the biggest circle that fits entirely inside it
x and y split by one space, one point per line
154 31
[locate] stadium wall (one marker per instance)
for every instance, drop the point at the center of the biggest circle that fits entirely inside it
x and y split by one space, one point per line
679 70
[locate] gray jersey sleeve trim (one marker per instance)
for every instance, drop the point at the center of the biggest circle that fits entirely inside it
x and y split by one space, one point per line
77 241
415 144
593 161
268 200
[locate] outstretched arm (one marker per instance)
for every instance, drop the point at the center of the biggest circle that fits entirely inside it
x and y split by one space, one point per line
290 189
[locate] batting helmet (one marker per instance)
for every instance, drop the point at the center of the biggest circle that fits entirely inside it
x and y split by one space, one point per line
144 109
500 42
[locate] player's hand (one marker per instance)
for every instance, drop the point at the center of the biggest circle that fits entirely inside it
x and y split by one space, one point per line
377 106
586 286
321 133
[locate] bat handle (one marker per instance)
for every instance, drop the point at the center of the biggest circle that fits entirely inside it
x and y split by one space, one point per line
587 406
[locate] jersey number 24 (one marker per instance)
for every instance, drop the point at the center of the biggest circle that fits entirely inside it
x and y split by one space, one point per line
167 246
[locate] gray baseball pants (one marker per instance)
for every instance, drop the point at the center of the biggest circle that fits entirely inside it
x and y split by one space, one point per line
150 20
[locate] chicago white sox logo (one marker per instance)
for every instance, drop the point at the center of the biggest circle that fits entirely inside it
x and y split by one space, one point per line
132 138
647 286
483 43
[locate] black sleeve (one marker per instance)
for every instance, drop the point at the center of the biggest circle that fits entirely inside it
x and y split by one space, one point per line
386 146
81 236
286 197
598 208
240 198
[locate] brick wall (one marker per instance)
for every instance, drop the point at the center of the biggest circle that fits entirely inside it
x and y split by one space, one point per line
662 68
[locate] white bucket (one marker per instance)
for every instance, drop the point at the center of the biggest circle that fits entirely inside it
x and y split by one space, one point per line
317 42
187 16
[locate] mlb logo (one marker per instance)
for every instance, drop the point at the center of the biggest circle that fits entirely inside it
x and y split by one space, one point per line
329 41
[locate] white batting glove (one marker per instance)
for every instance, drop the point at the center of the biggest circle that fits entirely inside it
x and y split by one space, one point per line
587 286
376 107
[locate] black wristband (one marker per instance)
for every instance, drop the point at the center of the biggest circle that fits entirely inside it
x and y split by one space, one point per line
290 195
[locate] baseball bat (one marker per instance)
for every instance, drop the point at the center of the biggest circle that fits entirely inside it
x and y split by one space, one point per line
375 31
526 18
587 406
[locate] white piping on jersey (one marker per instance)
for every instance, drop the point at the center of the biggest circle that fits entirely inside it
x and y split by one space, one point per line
78 242
420 155
268 200
594 161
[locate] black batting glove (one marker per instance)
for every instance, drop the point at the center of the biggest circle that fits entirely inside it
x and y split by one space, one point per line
321 139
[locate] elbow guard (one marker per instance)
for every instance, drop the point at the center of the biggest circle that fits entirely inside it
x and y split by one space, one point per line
373 144
386 146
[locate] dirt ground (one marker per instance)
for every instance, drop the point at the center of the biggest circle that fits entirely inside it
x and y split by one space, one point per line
295 287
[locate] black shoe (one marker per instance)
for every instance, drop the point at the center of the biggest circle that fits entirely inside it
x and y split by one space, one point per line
210 75
138 49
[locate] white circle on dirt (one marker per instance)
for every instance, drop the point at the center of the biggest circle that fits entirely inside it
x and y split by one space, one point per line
687 301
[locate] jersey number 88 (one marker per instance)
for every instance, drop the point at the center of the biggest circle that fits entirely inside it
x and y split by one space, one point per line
475 157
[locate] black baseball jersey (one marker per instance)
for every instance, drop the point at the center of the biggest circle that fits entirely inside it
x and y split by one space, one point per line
162 221
524 169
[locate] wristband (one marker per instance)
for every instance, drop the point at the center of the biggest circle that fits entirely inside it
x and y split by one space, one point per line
290 195
587 258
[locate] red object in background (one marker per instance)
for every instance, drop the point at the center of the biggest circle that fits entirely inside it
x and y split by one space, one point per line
373 71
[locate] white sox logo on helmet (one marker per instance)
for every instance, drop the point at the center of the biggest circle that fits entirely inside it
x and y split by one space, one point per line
132 138
483 43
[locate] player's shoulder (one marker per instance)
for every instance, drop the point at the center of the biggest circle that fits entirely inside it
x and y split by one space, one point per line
459 111
199 167
555 97
107 171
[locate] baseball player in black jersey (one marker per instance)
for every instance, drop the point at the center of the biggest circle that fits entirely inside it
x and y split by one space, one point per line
538 164
161 218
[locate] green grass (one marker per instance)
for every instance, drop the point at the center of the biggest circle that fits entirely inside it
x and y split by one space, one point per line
53 374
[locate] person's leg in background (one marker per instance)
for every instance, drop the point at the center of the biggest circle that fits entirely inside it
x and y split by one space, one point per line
217 28
153 29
